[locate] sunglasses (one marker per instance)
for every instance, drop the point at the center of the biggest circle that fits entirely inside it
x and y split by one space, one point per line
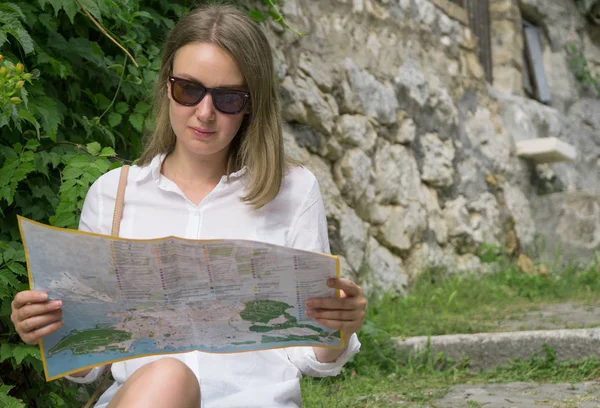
189 93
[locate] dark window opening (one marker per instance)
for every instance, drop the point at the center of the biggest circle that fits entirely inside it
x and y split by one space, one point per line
535 82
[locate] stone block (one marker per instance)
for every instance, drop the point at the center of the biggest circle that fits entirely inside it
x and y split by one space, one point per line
546 150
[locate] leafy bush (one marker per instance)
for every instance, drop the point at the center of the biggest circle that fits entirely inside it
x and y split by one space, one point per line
70 99
75 81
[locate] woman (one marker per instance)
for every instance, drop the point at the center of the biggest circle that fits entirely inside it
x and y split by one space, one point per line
214 168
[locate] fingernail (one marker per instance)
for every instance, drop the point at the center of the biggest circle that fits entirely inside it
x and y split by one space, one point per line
309 303
55 304
330 281
43 296
310 312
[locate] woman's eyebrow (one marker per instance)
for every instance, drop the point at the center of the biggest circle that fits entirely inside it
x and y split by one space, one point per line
191 78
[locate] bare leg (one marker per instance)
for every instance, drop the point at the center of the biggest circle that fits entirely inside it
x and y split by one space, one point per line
164 383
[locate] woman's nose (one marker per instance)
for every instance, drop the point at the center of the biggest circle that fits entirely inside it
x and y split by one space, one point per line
205 110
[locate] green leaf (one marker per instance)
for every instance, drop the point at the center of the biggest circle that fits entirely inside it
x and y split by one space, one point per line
7 171
32 144
102 164
50 116
28 116
121 107
92 7
7 152
142 108
20 351
6 401
8 278
108 152
17 268
3 38
4 389
48 22
65 219
8 294
86 49
102 102
142 14
149 124
79 161
58 67
114 119
14 8
137 121
19 255
90 176
15 28
5 352
55 159
27 156
256 15
69 6
93 148
9 253
5 306
71 173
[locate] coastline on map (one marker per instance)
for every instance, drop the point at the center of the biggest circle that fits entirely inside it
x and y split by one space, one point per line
66 361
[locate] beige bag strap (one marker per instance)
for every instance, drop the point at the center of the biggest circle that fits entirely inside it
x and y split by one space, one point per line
116 226
118 214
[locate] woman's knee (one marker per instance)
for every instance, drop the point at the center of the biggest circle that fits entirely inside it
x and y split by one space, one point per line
171 375
171 369
171 366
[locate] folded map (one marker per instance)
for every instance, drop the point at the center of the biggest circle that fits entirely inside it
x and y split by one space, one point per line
127 298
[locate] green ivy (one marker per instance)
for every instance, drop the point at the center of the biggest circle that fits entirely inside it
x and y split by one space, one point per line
75 81
579 65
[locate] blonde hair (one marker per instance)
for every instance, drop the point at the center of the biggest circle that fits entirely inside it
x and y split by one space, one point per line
258 144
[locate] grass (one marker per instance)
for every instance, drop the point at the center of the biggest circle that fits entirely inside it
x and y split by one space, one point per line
443 304
440 304
418 383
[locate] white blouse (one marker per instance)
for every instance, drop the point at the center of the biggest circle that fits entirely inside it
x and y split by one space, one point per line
156 207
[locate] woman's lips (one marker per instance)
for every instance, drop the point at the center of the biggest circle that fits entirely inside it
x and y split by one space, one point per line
202 133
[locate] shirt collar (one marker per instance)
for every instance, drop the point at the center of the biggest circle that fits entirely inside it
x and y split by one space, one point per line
153 169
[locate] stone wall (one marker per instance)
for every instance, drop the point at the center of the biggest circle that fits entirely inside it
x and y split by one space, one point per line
386 102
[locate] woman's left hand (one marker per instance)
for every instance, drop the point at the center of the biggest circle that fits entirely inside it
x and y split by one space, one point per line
345 313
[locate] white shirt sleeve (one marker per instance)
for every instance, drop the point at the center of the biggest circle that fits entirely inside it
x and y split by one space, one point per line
309 232
89 222
90 213
92 376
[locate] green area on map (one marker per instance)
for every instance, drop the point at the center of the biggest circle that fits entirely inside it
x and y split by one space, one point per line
263 311
89 340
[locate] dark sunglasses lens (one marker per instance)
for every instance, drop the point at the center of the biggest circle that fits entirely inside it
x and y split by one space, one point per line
229 102
187 93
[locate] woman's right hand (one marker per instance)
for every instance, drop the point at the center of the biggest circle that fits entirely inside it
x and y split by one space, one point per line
34 316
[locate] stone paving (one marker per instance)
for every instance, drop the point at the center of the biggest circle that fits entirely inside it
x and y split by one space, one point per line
565 315
530 395
522 395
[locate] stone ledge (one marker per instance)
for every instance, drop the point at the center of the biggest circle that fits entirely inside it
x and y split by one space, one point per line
453 10
488 350
546 150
